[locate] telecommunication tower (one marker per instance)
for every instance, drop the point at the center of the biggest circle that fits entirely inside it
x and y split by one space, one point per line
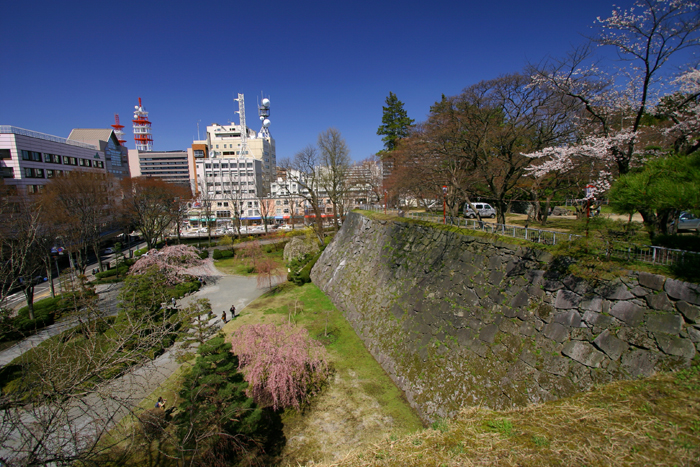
118 130
142 129
244 129
264 112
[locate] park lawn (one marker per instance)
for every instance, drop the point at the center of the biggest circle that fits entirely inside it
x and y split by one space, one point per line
244 266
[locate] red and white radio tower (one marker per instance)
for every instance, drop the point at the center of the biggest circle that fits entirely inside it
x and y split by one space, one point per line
142 129
118 130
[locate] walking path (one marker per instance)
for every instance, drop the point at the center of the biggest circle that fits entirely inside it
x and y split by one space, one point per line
107 305
103 409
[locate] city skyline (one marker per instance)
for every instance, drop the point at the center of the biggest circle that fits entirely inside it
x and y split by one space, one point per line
75 65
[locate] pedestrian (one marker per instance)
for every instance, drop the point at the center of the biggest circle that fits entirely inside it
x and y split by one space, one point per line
233 311
223 316
173 301
161 403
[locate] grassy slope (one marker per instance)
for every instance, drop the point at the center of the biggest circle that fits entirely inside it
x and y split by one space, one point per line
360 406
654 421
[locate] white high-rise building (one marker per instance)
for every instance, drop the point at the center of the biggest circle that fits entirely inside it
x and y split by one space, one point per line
224 142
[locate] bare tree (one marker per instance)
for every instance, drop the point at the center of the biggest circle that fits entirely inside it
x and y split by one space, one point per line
82 206
335 159
152 205
305 170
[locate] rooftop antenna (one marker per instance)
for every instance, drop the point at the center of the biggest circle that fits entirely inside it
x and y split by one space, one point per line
264 112
244 129
118 130
142 129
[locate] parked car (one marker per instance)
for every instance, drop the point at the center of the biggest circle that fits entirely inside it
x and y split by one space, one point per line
485 210
688 221
108 251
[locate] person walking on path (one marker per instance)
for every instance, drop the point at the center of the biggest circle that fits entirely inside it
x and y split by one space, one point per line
223 316
233 311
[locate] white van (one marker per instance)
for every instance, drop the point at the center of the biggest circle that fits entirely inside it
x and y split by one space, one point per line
485 210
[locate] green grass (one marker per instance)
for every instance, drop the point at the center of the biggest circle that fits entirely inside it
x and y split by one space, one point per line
244 266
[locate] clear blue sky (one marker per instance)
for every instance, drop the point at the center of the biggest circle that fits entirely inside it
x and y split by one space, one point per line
71 64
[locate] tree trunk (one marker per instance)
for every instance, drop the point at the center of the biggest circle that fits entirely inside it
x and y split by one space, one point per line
29 295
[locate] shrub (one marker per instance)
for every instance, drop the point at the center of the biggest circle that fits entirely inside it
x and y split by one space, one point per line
203 254
678 242
216 254
227 254
283 365
140 252
122 270
184 288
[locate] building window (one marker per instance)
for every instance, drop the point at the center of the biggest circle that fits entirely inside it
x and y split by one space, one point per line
5 154
33 173
50 173
34 189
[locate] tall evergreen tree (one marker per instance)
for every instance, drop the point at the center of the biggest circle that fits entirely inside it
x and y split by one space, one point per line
395 122
217 421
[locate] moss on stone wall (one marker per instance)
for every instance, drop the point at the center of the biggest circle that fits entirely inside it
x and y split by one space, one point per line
460 319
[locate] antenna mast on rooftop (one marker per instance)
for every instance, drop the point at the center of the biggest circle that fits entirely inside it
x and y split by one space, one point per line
142 129
118 130
264 112
244 129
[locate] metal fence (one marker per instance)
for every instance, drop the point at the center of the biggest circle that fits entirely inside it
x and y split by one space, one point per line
616 250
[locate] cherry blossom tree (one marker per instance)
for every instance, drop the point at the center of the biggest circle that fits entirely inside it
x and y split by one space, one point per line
173 262
283 364
614 105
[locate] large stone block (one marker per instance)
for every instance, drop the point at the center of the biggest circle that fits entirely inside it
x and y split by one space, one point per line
569 318
659 301
597 319
567 299
594 303
583 353
653 281
638 363
690 312
637 337
682 291
611 345
619 292
519 300
628 312
668 323
556 332
673 345
488 333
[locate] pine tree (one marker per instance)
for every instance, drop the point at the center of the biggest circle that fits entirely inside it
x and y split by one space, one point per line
395 122
216 419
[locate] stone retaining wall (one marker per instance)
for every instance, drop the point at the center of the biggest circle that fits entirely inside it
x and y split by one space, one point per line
464 320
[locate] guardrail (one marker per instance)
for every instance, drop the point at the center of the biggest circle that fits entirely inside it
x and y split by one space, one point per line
643 253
